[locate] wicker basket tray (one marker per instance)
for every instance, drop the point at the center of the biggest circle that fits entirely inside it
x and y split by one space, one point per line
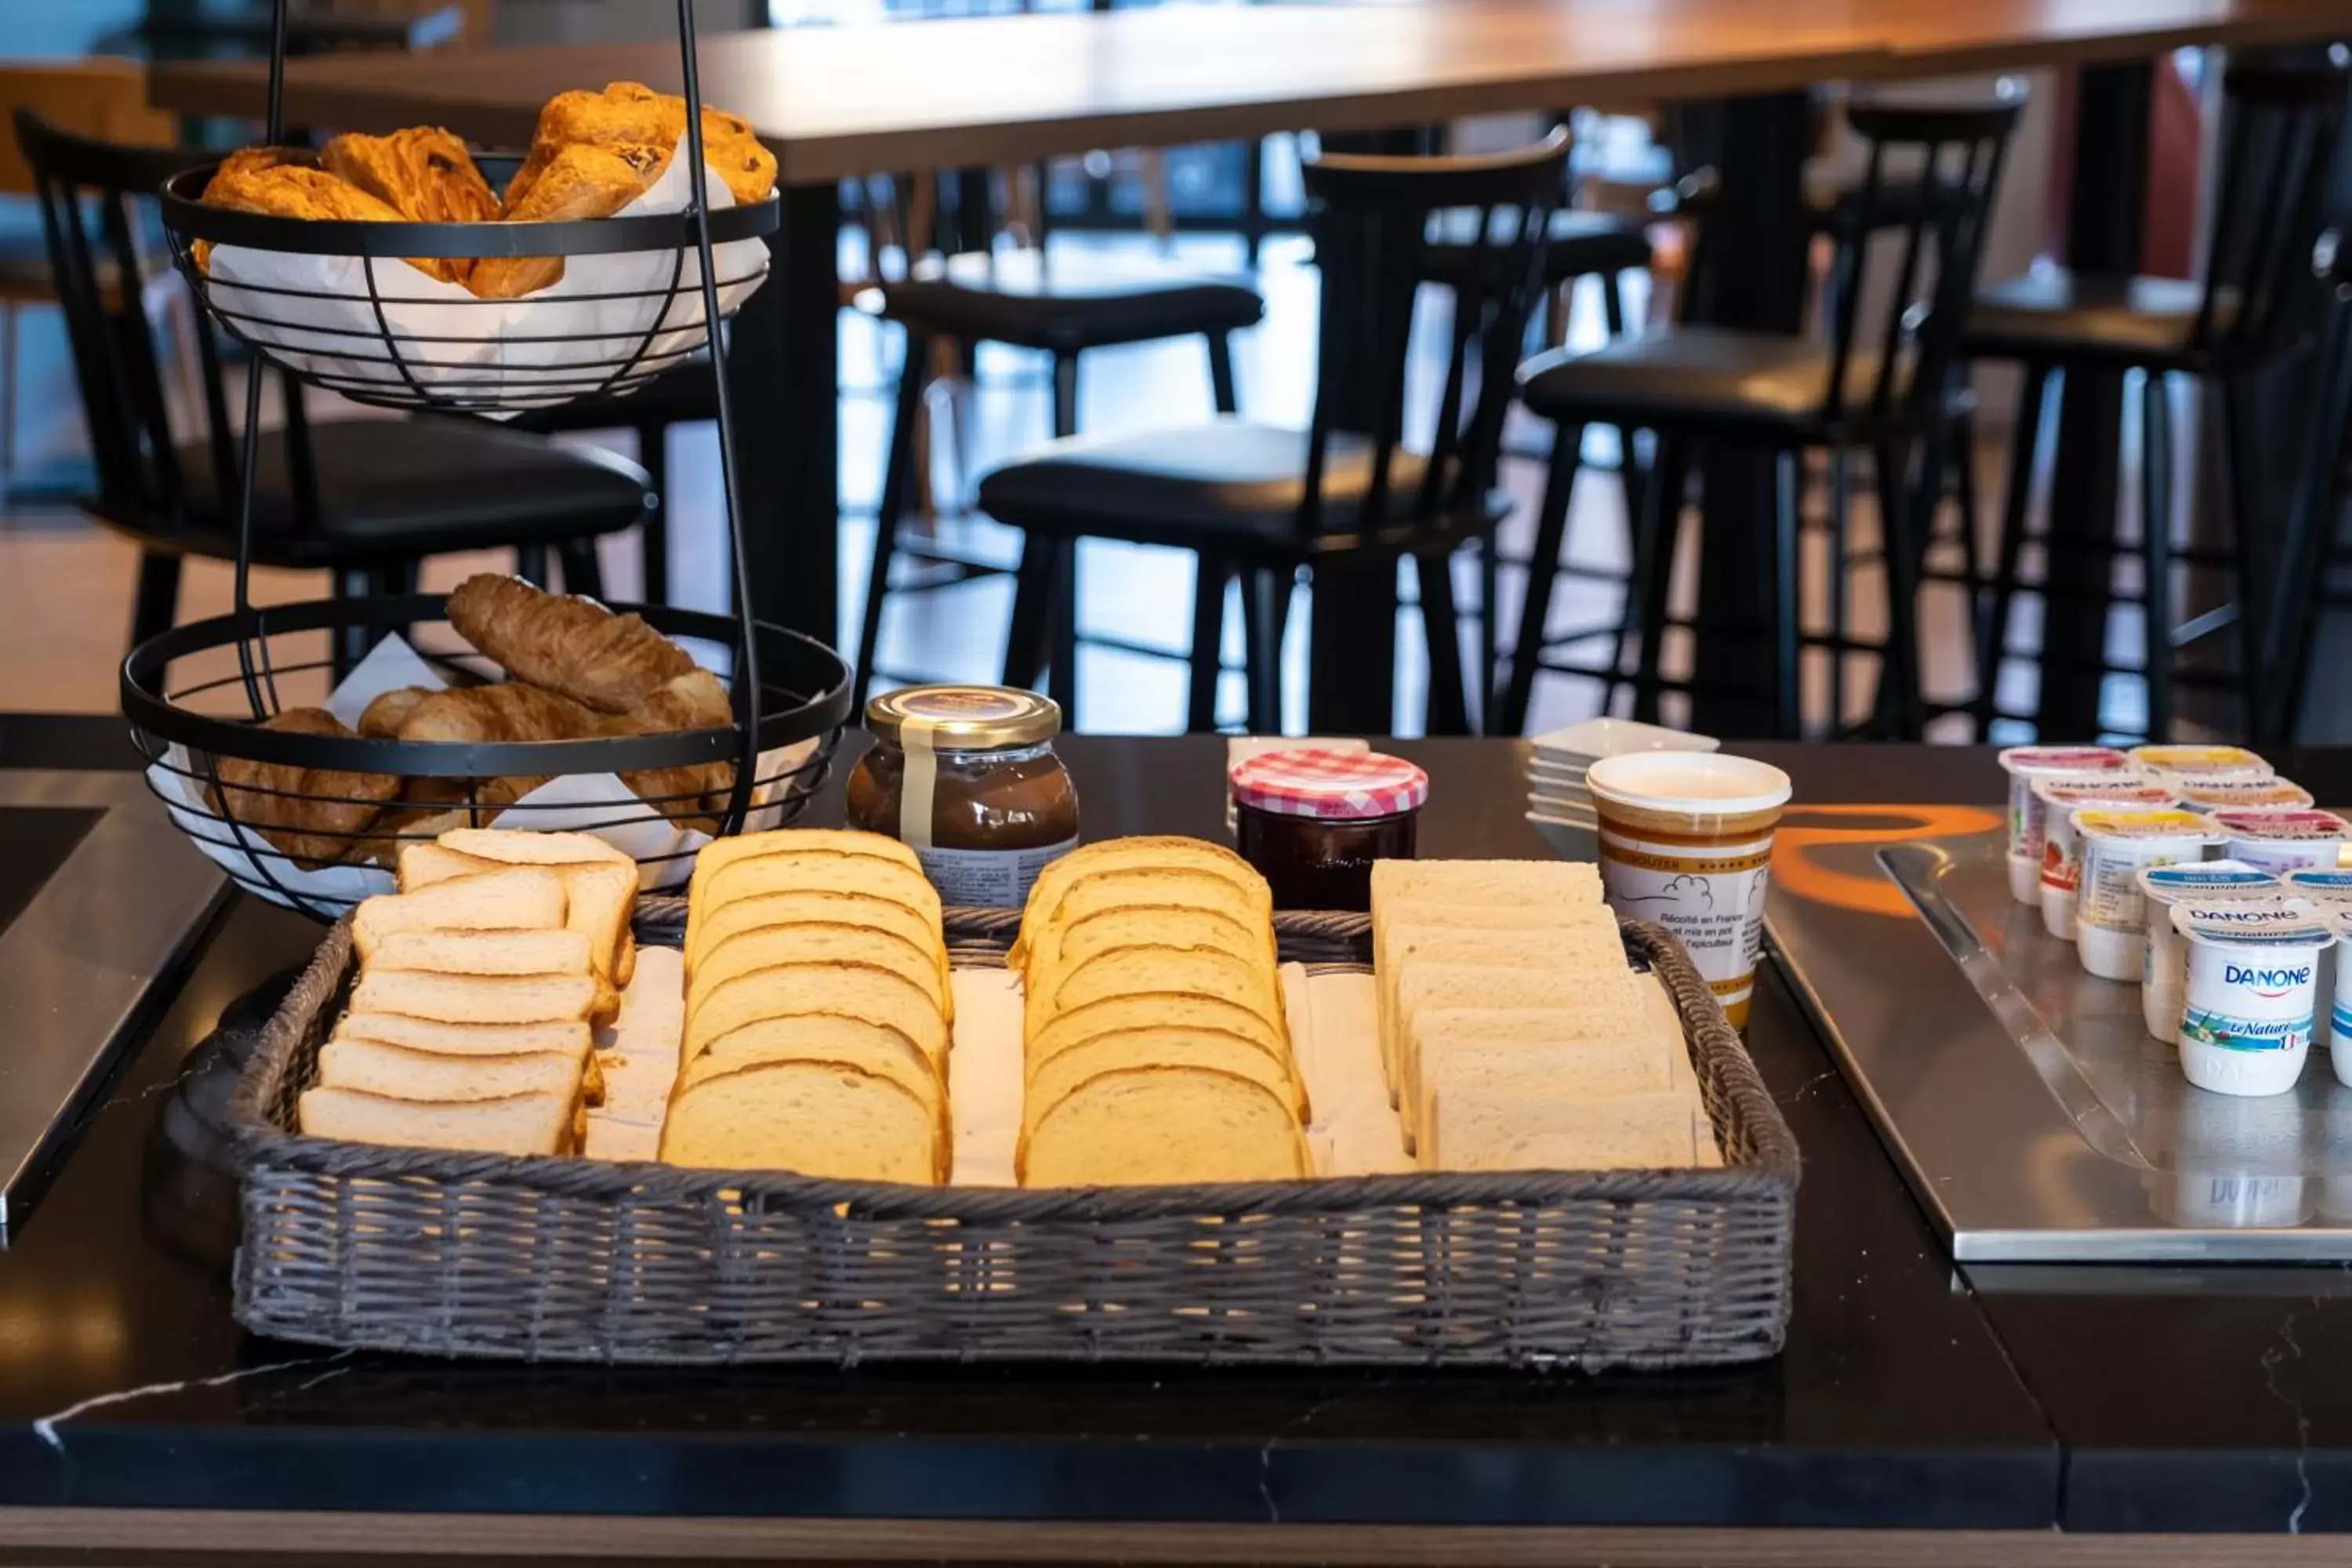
562 1258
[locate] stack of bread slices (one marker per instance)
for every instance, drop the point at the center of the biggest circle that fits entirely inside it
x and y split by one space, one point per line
1155 1041
472 1022
1514 1032
818 1012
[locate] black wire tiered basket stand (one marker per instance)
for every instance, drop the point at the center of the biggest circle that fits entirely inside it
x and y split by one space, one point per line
389 338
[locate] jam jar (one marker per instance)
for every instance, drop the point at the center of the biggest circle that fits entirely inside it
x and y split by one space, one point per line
1313 821
966 776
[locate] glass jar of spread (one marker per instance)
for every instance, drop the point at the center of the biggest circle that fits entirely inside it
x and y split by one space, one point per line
1313 821
966 776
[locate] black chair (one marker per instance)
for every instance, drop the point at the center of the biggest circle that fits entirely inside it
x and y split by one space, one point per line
1265 502
1881 390
1060 303
686 394
364 499
2279 129
2314 554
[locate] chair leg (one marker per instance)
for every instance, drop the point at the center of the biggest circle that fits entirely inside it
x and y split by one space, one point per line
2156 553
1650 593
1033 602
1265 610
530 565
2246 522
1510 716
1788 632
653 534
7 396
1897 704
1210 576
1062 661
350 644
1612 303
1448 712
155 601
583 572
898 467
2001 594
1221 371
1066 395
1840 579
1964 497
1252 198
2308 550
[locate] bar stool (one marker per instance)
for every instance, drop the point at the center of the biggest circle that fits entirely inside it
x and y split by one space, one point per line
1270 502
2313 553
1062 304
1881 391
2281 130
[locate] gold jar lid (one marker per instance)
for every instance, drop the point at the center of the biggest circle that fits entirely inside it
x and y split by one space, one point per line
965 718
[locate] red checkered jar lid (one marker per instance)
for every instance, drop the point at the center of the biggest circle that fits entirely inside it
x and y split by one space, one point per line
1337 786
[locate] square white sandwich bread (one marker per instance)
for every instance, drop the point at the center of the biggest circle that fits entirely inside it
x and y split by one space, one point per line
403 1073
1608 997
1538 1051
532 1123
1541 883
1589 942
1502 1129
599 882
522 899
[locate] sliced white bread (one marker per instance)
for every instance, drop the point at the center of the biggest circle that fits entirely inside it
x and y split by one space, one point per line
1458 1049
532 848
397 1071
1125 971
811 871
821 1118
540 1123
1132 925
599 892
719 854
568 1036
738 916
422 864
523 899
1490 1129
864 991
483 951
1161 1124
1140 850
1131 879
822 1036
1154 1009
1399 913
1050 1080
1531 883
479 998
1608 998
775 945
1590 945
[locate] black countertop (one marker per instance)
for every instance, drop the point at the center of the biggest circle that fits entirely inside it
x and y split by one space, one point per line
2140 1399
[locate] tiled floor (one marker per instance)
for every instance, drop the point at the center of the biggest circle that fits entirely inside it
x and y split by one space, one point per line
65 585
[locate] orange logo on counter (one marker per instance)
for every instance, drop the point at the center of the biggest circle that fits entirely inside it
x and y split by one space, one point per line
1805 828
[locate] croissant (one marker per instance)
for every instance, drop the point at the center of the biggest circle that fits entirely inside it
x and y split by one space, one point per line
629 113
696 700
579 182
381 719
518 711
424 174
571 645
261 184
314 814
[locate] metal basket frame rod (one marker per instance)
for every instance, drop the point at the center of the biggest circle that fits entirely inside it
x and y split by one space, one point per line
747 672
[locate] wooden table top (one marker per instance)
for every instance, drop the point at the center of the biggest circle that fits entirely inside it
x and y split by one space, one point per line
834 102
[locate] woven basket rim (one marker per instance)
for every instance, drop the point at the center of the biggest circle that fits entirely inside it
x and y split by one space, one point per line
260 1143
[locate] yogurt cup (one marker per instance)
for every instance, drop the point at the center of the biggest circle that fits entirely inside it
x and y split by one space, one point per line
2164 961
2338 998
2110 914
2024 765
2330 888
2062 852
2185 762
2241 791
2253 969
2284 840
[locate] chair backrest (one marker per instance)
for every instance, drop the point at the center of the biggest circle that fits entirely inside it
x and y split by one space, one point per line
1370 215
1926 190
101 97
95 199
2279 125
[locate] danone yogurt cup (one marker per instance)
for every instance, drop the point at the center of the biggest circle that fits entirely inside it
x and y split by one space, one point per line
2062 852
2188 762
2254 971
2284 840
2164 961
2241 791
2337 1000
2330 888
2110 916
2024 765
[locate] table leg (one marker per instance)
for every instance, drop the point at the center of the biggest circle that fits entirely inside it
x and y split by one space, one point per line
784 372
1758 236
2106 204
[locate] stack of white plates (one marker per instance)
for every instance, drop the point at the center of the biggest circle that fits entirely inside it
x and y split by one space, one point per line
1559 805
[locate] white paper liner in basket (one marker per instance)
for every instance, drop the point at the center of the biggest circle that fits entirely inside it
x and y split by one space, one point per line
587 801
515 354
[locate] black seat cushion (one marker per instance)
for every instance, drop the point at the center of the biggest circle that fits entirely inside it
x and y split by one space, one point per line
1580 244
2052 312
1700 375
1227 483
391 488
1064 300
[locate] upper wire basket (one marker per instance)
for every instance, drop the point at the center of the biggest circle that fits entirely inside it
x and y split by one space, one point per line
315 821
337 303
